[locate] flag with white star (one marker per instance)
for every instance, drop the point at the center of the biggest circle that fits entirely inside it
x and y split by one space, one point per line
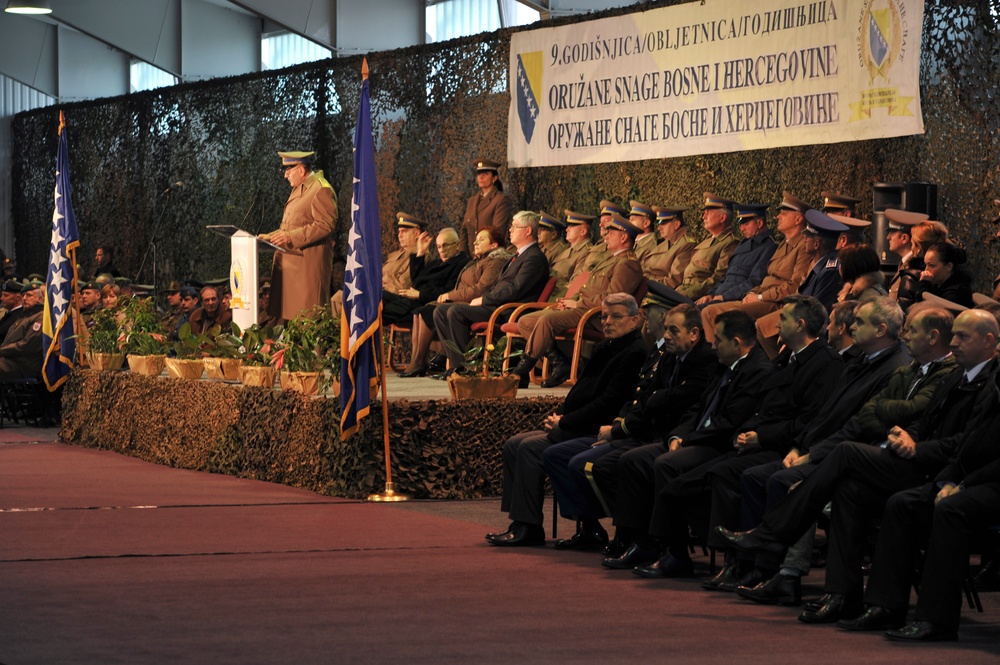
362 317
58 335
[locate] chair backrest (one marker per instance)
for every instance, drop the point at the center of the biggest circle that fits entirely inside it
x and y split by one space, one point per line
575 285
547 290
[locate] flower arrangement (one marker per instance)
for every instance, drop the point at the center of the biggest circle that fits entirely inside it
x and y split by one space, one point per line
474 357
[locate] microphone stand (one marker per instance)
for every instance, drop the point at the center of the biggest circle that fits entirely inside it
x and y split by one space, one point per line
151 247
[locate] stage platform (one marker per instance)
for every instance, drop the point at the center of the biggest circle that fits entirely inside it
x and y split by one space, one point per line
441 449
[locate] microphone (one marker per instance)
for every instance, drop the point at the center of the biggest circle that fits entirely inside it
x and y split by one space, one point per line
176 185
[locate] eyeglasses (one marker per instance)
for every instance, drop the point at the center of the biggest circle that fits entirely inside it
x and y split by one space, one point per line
613 317
447 244
520 226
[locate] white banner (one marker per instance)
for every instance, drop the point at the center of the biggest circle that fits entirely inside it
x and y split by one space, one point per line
715 76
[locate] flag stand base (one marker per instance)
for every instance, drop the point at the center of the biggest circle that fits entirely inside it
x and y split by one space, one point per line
388 496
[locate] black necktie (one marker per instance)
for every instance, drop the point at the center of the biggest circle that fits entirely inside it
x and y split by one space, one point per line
712 405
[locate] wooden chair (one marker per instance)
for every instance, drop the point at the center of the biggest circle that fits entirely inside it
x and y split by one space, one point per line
510 327
582 334
488 329
394 330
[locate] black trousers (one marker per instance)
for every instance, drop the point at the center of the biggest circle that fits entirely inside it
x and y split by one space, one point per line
859 479
912 519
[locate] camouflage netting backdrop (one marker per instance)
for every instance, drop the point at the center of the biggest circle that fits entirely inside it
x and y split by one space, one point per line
435 109
440 449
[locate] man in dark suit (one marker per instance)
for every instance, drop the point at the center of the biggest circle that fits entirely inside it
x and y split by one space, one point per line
606 384
906 396
859 477
706 431
963 498
681 375
789 402
876 331
521 280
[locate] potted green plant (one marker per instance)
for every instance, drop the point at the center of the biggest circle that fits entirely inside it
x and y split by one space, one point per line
224 353
187 354
104 341
309 351
145 340
259 348
484 378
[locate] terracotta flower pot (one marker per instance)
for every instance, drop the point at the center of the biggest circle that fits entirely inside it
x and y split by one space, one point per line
146 365
178 368
482 387
257 375
223 369
306 383
105 362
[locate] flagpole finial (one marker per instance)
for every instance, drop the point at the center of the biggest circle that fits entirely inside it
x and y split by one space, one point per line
364 69
62 122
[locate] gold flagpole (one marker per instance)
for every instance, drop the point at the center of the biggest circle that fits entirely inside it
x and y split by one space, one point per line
390 494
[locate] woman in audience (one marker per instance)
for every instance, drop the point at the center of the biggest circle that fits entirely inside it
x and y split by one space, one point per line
859 266
923 236
477 276
943 275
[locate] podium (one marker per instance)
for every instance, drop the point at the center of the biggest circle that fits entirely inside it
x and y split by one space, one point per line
243 273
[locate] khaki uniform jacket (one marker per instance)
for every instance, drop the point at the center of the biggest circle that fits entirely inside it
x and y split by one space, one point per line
619 273
396 271
788 267
708 265
482 212
301 282
572 260
478 276
553 250
644 245
668 260
598 252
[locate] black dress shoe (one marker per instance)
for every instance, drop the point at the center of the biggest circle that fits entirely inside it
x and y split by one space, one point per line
510 527
874 617
749 541
633 556
667 566
923 631
780 589
835 609
521 535
730 573
615 548
559 370
585 540
437 364
410 373
523 368
750 580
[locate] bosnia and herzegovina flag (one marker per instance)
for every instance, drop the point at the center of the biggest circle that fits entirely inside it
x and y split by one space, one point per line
58 334
529 82
361 322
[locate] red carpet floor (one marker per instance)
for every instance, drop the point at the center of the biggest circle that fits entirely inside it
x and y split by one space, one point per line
107 559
